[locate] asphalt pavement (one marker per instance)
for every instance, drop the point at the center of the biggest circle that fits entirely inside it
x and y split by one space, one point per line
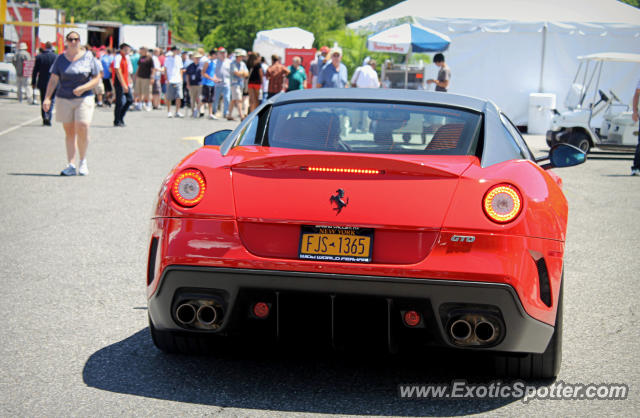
74 339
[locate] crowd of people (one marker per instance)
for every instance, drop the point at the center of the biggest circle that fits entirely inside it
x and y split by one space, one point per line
212 85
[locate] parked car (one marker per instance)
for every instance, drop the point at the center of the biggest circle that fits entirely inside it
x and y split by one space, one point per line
365 218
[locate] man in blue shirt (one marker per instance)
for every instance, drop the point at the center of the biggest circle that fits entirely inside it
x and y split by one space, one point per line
106 61
334 73
208 82
223 82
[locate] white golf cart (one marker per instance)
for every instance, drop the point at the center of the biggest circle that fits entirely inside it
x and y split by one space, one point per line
618 132
7 78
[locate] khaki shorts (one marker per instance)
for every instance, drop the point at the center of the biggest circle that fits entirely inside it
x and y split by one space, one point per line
143 86
75 110
236 92
99 89
194 92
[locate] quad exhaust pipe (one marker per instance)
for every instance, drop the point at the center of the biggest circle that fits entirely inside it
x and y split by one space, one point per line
199 314
484 331
473 330
207 314
186 313
460 330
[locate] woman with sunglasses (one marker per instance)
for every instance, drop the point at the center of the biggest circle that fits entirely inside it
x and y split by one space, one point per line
75 73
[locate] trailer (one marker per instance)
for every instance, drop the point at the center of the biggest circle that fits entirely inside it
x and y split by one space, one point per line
111 34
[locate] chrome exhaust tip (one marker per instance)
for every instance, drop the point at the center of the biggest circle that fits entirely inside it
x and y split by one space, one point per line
460 330
207 314
186 313
485 331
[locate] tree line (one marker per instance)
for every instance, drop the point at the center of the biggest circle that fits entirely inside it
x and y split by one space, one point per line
229 23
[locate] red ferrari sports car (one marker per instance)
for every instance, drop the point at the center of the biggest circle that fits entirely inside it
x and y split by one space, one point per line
374 218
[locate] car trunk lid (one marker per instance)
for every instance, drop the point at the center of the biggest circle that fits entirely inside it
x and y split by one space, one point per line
280 190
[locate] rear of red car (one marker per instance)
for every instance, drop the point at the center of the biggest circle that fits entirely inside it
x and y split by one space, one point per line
361 224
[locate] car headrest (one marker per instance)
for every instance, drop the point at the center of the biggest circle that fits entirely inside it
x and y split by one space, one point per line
316 130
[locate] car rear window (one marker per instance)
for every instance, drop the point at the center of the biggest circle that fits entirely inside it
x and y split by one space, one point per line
378 128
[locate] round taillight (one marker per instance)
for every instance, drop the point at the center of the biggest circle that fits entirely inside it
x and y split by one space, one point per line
412 318
188 187
502 203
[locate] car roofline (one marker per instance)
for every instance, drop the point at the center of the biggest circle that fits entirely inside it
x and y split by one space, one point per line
382 95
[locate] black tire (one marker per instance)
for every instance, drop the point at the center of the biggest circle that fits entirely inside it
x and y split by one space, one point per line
532 365
179 343
581 140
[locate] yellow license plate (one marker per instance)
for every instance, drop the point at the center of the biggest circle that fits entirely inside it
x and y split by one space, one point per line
344 244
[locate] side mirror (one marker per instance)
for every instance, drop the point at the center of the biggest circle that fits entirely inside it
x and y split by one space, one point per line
564 155
217 138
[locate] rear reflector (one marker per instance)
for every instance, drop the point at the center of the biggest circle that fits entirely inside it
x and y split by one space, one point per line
188 187
412 318
261 310
342 170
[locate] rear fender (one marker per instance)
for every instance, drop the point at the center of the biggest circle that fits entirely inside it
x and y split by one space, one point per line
545 209
218 198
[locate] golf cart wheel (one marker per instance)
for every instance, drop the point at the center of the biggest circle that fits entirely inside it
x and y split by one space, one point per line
580 140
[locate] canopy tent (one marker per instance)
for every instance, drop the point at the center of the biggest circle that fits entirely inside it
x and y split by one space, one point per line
275 41
405 39
505 50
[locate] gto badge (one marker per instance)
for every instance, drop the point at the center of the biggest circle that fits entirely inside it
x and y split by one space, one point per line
463 238
338 199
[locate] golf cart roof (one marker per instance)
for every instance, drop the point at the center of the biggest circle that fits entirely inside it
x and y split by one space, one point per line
612 56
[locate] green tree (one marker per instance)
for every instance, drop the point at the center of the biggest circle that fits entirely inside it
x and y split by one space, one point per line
635 3
231 23
354 48
104 10
358 9
248 19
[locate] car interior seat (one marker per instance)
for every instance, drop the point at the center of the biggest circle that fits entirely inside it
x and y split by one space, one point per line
446 137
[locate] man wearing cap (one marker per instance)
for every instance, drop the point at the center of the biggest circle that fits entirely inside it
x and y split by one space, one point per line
222 77
174 69
316 66
142 87
106 60
121 81
208 81
239 73
334 73
18 62
193 75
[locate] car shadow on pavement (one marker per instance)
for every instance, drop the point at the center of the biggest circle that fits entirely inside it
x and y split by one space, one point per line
35 174
320 382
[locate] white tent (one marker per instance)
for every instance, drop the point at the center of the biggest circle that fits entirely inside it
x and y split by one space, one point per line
504 50
275 41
